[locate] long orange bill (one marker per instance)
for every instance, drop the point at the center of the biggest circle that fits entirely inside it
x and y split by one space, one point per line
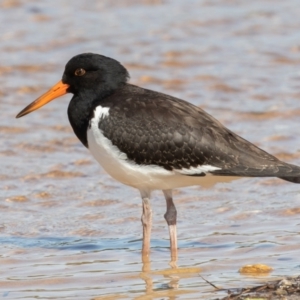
56 91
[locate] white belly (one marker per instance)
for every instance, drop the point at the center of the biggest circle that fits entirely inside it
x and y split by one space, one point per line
142 177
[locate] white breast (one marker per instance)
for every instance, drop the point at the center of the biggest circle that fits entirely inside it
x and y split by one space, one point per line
117 165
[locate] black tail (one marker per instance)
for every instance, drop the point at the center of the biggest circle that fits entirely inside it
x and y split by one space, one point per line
291 179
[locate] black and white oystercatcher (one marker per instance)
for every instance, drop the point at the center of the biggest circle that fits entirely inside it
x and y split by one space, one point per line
152 141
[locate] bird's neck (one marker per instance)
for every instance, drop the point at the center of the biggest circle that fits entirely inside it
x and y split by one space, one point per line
81 108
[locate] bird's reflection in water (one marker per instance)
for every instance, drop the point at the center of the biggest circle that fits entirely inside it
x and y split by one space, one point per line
146 274
169 290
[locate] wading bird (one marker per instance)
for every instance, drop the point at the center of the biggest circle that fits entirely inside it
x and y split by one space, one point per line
153 141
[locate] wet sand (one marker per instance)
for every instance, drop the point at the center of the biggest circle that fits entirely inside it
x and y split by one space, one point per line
69 231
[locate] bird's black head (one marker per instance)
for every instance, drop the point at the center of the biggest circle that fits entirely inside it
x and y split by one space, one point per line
89 71
86 73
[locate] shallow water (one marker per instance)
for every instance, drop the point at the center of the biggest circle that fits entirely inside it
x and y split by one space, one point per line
69 231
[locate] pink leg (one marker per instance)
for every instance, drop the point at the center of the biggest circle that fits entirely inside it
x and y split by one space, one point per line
171 217
147 224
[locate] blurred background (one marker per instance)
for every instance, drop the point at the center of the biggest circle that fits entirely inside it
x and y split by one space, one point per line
67 230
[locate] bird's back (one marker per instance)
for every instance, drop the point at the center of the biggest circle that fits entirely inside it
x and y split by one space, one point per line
158 129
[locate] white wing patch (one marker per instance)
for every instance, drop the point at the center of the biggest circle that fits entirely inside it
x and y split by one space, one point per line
197 170
101 112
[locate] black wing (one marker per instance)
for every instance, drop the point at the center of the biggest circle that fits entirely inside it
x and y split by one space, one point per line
157 129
